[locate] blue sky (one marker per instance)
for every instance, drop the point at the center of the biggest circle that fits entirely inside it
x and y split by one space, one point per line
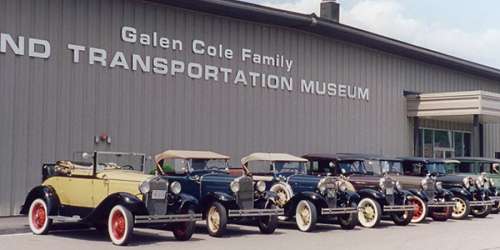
466 29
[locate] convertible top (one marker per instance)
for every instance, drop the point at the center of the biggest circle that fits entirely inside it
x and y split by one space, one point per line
271 157
482 159
428 160
187 154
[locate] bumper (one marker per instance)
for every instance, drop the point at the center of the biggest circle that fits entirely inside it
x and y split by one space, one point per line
152 219
256 212
394 208
481 203
495 198
441 204
336 211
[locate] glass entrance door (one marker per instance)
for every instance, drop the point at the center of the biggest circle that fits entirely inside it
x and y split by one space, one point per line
444 153
439 143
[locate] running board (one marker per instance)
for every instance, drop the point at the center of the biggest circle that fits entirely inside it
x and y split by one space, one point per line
150 219
335 211
256 212
444 204
399 208
481 203
66 219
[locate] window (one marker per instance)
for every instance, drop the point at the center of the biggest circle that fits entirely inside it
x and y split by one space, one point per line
438 143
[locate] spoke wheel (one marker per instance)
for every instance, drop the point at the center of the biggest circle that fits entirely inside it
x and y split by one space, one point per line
420 212
216 219
461 209
38 217
120 225
481 212
369 214
306 216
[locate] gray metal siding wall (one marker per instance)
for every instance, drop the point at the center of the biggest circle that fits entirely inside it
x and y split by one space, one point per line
51 109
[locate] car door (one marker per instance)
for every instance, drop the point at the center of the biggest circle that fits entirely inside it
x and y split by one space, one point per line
75 193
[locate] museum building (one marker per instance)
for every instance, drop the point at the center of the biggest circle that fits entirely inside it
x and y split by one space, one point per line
227 76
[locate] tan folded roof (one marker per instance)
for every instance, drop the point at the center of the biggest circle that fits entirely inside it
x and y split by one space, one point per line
271 157
187 154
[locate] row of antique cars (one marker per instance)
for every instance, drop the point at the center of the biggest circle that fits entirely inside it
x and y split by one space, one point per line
111 192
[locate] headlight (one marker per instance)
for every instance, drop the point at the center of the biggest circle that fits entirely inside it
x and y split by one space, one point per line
399 186
175 187
145 187
492 183
235 186
425 186
439 185
322 186
466 182
343 187
381 183
260 186
486 184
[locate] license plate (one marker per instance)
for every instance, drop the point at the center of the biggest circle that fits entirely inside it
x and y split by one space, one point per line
158 194
390 191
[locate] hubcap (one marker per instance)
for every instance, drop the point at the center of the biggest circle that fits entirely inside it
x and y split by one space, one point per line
281 198
118 225
213 219
39 216
368 212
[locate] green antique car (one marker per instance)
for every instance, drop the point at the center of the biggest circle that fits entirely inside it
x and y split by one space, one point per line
486 172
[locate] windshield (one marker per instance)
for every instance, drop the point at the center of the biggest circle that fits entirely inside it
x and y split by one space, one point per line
384 166
120 161
208 164
290 167
436 168
451 168
355 167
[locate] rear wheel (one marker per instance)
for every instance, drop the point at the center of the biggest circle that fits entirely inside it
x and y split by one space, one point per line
216 220
120 225
370 213
349 221
461 209
420 212
184 230
268 224
481 212
306 216
441 214
38 217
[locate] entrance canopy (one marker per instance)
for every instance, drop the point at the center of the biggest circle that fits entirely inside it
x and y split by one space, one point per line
456 106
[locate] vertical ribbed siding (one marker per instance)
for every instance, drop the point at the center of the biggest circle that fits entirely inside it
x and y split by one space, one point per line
51 109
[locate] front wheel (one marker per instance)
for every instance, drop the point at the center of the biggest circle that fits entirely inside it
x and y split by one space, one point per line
184 230
420 212
349 221
496 208
481 212
461 209
306 216
370 213
120 225
268 224
216 220
38 217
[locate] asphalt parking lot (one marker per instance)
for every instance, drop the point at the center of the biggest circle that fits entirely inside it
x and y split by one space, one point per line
477 234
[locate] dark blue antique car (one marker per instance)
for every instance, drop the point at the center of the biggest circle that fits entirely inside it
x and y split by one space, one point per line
220 197
305 197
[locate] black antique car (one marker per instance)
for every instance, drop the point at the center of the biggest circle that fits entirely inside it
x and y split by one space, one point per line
469 198
110 193
221 198
430 198
380 196
307 198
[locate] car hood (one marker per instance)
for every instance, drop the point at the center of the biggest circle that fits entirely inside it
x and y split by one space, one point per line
303 183
123 175
365 181
408 181
451 179
217 182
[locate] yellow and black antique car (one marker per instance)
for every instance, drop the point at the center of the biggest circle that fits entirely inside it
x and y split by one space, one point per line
113 196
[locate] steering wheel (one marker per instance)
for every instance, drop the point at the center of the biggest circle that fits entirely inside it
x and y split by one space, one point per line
128 167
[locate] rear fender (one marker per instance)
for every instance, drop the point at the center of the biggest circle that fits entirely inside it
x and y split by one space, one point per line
48 194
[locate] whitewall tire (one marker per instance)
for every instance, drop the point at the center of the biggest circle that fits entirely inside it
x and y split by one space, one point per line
120 225
370 213
306 216
38 217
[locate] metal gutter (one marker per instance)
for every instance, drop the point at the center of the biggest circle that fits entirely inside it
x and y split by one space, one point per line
324 27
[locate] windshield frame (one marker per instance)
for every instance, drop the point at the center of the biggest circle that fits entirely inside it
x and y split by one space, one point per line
442 164
190 168
302 167
362 166
378 168
95 159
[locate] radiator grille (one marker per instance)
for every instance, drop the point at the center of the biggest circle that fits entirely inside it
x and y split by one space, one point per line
157 206
245 197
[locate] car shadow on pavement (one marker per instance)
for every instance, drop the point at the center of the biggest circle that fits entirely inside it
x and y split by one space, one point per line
320 227
139 237
235 230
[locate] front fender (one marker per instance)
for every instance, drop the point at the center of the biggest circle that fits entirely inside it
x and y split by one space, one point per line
224 198
461 192
420 194
351 197
313 197
187 201
48 194
373 194
130 201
